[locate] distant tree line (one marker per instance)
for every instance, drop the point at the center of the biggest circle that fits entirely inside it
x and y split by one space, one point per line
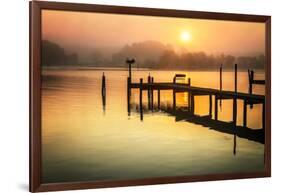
54 55
150 54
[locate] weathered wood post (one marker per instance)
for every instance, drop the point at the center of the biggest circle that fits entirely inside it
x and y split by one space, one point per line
103 91
235 98
245 113
148 91
192 104
152 80
189 95
174 95
129 95
210 106
130 69
263 115
103 86
130 62
234 144
251 80
220 83
216 107
158 104
141 110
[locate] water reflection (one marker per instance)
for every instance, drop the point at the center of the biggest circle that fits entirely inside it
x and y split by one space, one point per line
82 143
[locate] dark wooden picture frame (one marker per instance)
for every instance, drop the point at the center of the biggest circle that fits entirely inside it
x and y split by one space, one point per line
35 93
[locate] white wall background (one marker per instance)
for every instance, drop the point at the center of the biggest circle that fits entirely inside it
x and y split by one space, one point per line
14 95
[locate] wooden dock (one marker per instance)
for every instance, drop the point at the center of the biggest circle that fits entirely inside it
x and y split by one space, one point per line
215 95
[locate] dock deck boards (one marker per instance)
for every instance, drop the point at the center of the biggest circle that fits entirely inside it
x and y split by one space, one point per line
183 87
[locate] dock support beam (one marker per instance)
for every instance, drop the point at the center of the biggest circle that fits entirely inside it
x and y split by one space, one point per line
141 110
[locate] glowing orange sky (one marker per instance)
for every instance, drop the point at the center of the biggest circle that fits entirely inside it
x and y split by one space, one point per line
80 29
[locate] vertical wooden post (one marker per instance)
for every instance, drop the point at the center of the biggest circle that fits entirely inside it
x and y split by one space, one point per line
245 113
141 110
251 87
252 78
189 95
216 107
174 96
129 95
235 78
152 80
130 70
210 106
192 104
263 115
250 81
221 77
130 62
158 99
235 99
234 144
220 83
103 91
103 86
148 91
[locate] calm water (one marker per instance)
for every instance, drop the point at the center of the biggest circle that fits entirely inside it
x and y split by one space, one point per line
83 141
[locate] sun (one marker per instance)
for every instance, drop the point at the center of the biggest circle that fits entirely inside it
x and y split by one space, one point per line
185 36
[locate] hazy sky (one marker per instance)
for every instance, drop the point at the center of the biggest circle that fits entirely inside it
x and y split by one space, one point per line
80 30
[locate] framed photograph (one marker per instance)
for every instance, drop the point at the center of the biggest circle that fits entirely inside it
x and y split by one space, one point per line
123 96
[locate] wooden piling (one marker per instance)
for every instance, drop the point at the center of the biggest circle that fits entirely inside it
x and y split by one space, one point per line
129 95
148 92
263 115
234 112
221 77
130 62
151 90
245 113
234 144
251 85
103 86
130 70
220 83
252 78
174 96
250 81
235 78
158 95
192 104
103 92
141 110
210 106
216 107
189 95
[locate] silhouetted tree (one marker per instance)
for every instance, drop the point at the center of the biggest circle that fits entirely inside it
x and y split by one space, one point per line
52 54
